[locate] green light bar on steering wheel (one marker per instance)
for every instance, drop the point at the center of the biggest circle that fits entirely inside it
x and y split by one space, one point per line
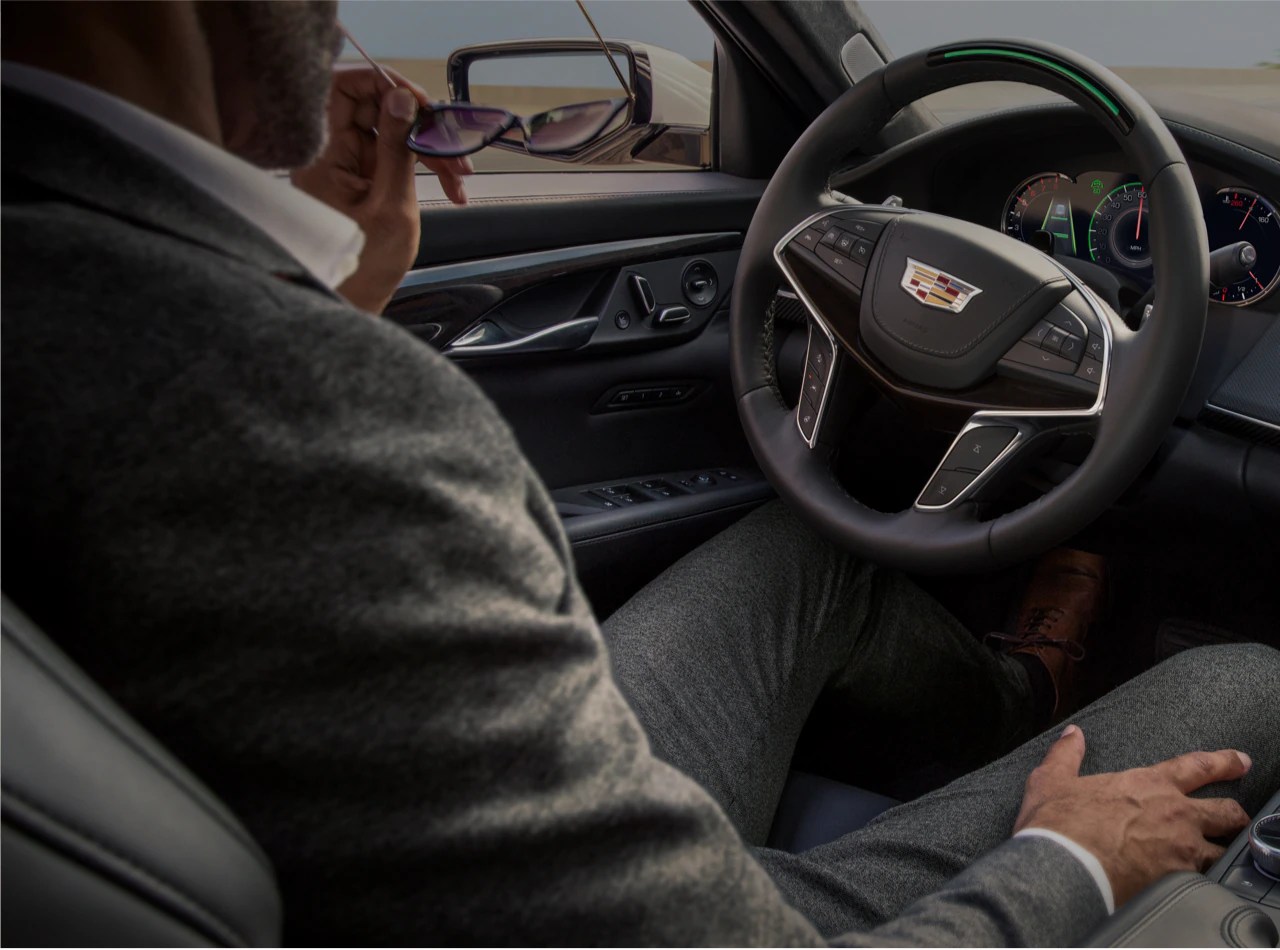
1091 87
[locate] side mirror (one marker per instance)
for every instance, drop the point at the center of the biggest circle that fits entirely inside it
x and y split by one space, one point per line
667 120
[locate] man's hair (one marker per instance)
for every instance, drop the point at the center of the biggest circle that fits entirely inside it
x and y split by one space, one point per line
287 55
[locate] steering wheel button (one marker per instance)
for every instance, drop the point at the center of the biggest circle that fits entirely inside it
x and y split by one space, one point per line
979 447
844 243
807 416
850 270
813 385
810 238
1038 333
1072 348
862 249
1090 369
831 236
862 228
945 487
1033 356
1064 319
1094 347
1053 340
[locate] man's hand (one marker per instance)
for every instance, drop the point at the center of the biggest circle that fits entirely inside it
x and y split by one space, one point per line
367 173
1140 824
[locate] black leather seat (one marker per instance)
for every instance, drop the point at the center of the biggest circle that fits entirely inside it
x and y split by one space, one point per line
106 839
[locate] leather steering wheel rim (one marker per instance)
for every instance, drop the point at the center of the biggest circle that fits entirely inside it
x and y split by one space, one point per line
1147 371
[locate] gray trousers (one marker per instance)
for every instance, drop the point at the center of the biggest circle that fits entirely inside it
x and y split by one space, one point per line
725 654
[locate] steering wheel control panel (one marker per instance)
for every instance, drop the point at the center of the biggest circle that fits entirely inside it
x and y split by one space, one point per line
1066 345
842 245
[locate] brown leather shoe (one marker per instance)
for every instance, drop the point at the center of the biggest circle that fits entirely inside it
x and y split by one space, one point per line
1062 602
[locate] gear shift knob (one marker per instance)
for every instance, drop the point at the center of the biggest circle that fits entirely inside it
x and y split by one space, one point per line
1264 844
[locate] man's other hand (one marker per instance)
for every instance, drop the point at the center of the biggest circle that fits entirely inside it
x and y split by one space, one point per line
1140 824
367 172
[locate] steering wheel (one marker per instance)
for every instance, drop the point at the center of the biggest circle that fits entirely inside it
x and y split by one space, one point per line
963 327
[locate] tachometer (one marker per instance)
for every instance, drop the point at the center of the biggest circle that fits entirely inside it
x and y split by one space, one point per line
1118 231
1235 215
1041 204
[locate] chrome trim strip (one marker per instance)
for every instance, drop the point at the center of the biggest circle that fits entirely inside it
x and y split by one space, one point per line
563 336
1242 417
491 267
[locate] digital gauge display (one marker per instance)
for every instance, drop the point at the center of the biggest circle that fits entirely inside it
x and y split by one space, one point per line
1237 214
1043 203
1103 218
1118 232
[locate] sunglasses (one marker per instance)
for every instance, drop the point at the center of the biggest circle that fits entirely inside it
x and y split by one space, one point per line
449 129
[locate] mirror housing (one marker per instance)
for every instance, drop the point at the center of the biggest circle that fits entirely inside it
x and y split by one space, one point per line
668 119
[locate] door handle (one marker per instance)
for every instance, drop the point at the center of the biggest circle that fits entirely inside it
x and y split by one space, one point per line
489 339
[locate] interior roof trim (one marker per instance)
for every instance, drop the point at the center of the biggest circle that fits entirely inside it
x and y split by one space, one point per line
490 267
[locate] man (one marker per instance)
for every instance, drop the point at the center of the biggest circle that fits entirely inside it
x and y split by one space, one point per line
306 553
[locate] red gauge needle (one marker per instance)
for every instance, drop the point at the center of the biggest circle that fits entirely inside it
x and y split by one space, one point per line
1137 232
1246 216
1256 281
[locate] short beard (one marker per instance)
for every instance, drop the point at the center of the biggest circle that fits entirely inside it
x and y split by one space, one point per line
285 68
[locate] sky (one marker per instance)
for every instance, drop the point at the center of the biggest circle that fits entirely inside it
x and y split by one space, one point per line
1189 33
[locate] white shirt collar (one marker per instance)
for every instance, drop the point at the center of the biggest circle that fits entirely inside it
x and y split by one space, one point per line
326 242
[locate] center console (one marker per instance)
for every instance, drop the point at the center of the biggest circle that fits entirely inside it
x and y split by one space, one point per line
1236 903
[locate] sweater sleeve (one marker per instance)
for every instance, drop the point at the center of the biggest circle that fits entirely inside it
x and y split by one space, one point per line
1028 892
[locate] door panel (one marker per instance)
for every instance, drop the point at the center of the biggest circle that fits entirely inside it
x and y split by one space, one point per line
537 296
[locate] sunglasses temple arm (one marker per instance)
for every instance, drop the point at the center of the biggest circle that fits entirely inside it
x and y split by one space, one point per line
607 55
369 59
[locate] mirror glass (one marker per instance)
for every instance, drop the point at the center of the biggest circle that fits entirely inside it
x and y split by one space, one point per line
535 83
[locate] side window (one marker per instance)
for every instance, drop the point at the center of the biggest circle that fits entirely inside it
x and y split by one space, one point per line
534 57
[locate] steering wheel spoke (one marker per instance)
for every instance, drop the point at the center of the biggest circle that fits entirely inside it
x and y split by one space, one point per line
822 361
1075 345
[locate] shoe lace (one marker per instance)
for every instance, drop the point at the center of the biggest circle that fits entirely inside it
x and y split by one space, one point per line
1033 634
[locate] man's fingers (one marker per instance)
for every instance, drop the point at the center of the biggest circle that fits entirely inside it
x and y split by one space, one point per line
450 171
394 172
1064 756
1220 816
1210 855
1197 769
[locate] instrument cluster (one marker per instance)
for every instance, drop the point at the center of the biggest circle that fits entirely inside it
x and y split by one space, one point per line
1102 217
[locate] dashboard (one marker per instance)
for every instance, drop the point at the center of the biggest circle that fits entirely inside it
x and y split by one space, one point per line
1101 216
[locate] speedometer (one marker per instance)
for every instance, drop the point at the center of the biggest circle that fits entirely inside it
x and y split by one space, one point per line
1235 215
1118 230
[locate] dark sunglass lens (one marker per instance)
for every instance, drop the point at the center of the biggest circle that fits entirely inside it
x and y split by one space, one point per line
571 126
456 130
